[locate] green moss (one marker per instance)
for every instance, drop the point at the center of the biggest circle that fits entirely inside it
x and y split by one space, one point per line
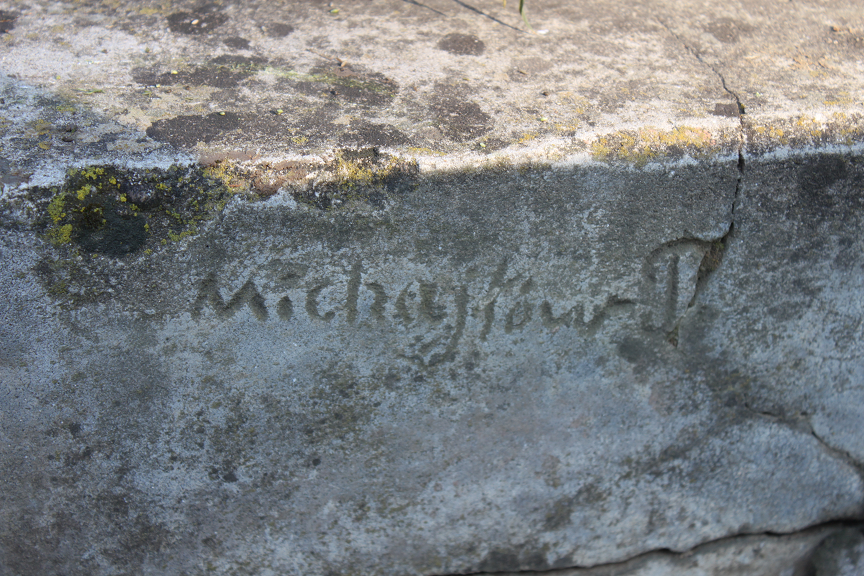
354 81
104 210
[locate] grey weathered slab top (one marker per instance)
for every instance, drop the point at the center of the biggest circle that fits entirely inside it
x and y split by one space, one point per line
445 82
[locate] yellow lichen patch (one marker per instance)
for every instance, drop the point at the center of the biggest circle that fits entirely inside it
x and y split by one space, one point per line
527 137
299 140
56 207
352 172
41 127
570 127
228 175
174 237
60 235
91 173
640 147
772 133
843 99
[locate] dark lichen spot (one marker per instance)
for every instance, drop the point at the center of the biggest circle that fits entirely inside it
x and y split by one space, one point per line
559 514
818 173
226 71
277 29
460 120
634 350
730 110
114 212
727 30
462 44
142 191
818 179
236 42
196 23
7 21
189 130
77 457
343 82
362 133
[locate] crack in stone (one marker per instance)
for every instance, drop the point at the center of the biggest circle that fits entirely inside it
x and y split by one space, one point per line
618 567
702 280
837 452
804 424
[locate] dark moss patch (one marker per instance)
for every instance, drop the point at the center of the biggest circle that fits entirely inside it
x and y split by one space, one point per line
226 71
187 131
7 21
108 211
461 44
458 118
277 29
200 22
362 133
727 30
728 109
236 42
819 173
345 83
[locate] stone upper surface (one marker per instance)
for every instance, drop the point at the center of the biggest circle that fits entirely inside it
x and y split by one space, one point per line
446 82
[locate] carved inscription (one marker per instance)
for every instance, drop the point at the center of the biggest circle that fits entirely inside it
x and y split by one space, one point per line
433 315
248 295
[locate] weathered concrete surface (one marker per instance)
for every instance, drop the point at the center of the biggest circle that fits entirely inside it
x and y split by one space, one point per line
405 289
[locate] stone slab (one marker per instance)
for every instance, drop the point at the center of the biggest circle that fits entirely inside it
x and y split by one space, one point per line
403 287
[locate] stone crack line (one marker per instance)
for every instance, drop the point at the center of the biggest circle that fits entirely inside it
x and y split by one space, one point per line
804 424
672 336
741 111
618 567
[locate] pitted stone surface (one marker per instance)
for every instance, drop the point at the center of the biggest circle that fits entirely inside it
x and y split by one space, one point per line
402 287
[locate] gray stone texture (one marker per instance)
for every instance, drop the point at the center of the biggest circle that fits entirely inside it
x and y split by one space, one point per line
401 287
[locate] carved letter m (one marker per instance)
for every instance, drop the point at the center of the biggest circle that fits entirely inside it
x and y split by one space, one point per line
248 294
